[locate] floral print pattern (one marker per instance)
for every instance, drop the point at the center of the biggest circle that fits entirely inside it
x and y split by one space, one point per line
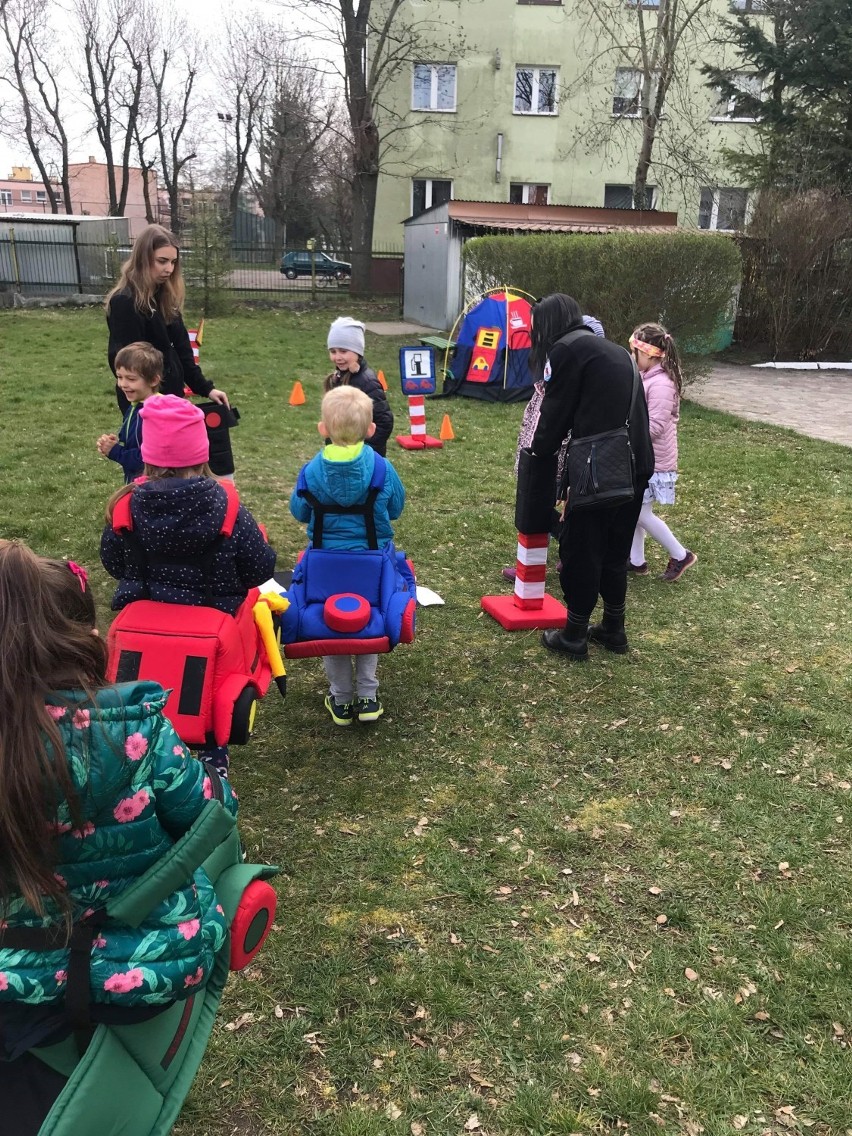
138 787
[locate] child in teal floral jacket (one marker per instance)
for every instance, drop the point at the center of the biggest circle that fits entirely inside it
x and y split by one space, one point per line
96 786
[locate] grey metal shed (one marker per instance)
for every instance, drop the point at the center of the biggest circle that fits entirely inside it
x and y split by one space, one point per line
55 255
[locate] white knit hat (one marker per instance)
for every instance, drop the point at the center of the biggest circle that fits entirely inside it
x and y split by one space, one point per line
346 334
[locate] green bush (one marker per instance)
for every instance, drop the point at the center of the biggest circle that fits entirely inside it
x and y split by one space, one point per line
686 281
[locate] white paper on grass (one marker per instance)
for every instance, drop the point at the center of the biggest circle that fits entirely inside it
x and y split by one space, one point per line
273 586
426 597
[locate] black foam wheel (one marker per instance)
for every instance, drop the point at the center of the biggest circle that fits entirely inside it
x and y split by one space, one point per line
242 722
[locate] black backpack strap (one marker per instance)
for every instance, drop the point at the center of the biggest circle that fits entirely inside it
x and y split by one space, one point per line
367 509
79 946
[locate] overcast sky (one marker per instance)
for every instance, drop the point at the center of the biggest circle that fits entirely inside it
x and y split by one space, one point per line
205 15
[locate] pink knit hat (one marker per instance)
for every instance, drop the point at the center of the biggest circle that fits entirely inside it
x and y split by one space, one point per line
174 435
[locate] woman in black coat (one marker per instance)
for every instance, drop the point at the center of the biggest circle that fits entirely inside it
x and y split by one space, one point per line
589 384
146 305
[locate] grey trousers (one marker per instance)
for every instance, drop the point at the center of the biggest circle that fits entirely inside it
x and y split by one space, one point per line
338 671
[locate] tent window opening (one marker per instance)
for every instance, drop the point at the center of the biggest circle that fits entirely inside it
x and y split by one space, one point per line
426 192
535 90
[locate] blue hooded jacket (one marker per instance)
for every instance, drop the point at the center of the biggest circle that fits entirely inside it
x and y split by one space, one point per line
340 475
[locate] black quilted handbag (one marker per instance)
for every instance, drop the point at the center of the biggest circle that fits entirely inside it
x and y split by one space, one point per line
601 466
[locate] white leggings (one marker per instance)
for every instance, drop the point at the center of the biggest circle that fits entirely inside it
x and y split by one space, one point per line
659 531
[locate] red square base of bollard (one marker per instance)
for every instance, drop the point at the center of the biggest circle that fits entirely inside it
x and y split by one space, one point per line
424 442
551 614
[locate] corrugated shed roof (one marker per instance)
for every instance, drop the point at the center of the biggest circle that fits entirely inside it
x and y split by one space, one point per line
558 218
564 227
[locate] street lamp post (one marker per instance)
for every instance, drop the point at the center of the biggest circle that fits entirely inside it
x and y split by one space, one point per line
226 120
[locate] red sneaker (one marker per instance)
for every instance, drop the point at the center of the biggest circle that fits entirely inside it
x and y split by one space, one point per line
676 568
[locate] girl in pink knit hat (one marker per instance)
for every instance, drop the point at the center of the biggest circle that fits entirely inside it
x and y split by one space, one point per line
658 361
177 554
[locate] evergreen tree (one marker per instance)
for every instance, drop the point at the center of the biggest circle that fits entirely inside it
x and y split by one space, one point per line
802 50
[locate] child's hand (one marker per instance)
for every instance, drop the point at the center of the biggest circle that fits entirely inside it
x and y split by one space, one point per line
106 442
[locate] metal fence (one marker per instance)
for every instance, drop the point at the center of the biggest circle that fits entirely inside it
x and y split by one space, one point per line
65 263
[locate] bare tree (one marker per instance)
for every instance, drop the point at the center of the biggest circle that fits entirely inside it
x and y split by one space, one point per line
293 124
648 51
112 37
33 75
243 77
378 38
172 72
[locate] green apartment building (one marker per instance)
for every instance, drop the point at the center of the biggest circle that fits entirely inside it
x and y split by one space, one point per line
538 102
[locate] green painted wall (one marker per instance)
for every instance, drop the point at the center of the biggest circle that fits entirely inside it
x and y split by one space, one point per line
577 151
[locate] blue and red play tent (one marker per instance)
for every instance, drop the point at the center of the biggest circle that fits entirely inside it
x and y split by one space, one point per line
490 359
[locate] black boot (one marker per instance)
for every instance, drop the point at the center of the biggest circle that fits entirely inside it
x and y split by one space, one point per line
610 632
570 640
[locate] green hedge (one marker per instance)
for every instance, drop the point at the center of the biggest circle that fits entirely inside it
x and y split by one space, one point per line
686 281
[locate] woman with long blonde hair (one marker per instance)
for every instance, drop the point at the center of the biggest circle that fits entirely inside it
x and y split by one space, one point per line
145 305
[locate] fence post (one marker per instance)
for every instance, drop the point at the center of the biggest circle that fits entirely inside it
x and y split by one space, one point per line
14 256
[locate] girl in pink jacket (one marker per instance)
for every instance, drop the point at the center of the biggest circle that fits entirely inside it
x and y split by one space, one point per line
657 358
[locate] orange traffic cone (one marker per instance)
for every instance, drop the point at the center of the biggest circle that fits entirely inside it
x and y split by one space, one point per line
382 382
297 395
446 432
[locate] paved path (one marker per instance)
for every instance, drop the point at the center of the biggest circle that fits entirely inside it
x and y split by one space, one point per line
816 403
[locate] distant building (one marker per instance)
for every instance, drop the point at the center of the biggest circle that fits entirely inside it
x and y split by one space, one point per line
90 196
19 193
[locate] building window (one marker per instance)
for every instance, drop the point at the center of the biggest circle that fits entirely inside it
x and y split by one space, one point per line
723 209
553 3
521 193
627 91
426 192
41 195
621 197
5 197
643 4
535 90
726 108
434 86
748 5
26 195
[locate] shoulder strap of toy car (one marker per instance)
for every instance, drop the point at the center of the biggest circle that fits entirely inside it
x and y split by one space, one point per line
367 508
122 524
226 530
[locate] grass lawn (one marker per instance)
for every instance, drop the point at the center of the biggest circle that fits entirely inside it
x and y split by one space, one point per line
537 897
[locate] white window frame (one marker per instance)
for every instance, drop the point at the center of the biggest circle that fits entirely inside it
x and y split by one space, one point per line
716 191
528 190
638 74
428 202
27 196
727 111
747 6
536 88
5 197
434 69
41 195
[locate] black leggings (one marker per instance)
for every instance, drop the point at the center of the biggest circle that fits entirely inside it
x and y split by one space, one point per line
28 1089
594 549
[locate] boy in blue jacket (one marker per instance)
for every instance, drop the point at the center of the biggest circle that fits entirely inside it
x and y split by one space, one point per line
139 373
339 476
